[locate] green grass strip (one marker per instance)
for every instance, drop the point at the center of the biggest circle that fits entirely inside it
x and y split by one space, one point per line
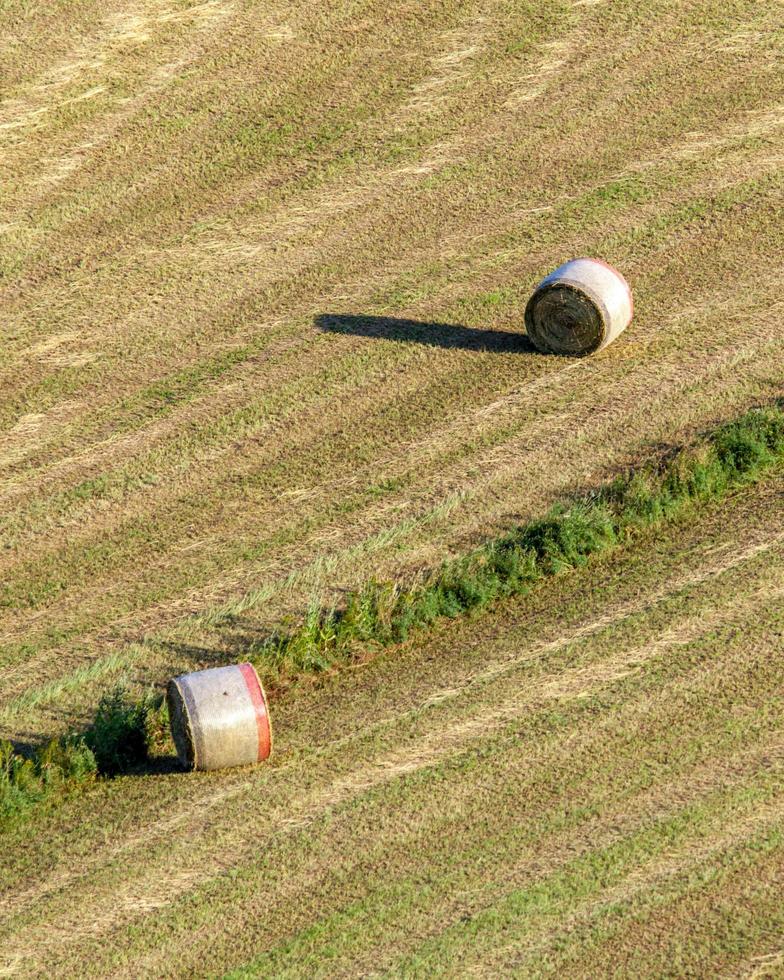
384 613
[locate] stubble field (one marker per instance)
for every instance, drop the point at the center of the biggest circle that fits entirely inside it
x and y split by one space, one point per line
262 272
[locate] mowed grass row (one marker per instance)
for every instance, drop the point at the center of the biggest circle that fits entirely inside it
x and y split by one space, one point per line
85 295
184 385
302 399
592 779
201 453
256 481
528 789
142 537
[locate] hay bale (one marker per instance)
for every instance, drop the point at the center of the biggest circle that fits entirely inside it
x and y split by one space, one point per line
579 308
219 717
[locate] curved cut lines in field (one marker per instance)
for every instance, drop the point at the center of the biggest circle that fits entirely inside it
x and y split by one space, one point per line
124 35
218 814
763 45
155 437
246 250
695 146
60 350
439 744
37 98
656 874
297 237
445 734
583 682
136 25
575 681
560 848
14 442
32 115
717 303
231 252
448 69
502 469
598 396
554 57
516 460
139 889
753 123
23 436
499 472
305 217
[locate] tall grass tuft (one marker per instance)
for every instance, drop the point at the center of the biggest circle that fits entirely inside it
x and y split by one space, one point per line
382 613
118 739
52 769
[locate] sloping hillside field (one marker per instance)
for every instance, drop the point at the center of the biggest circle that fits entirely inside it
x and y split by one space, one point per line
263 268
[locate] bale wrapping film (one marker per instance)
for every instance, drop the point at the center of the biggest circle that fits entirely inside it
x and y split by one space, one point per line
219 717
579 308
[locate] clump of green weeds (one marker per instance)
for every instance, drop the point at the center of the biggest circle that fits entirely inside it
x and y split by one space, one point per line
54 768
119 738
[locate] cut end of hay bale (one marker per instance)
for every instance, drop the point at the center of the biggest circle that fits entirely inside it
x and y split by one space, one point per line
180 725
579 308
219 718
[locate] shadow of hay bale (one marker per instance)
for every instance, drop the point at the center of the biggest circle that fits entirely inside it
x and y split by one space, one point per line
431 334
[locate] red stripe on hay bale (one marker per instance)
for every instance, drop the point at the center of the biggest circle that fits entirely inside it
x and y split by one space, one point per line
219 717
256 692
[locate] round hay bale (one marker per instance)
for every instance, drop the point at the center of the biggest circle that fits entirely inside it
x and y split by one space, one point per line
219 717
579 308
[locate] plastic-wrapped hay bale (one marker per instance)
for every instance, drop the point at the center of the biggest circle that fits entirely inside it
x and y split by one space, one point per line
579 308
219 717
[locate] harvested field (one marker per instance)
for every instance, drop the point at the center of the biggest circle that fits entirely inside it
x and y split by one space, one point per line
591 778
262 274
